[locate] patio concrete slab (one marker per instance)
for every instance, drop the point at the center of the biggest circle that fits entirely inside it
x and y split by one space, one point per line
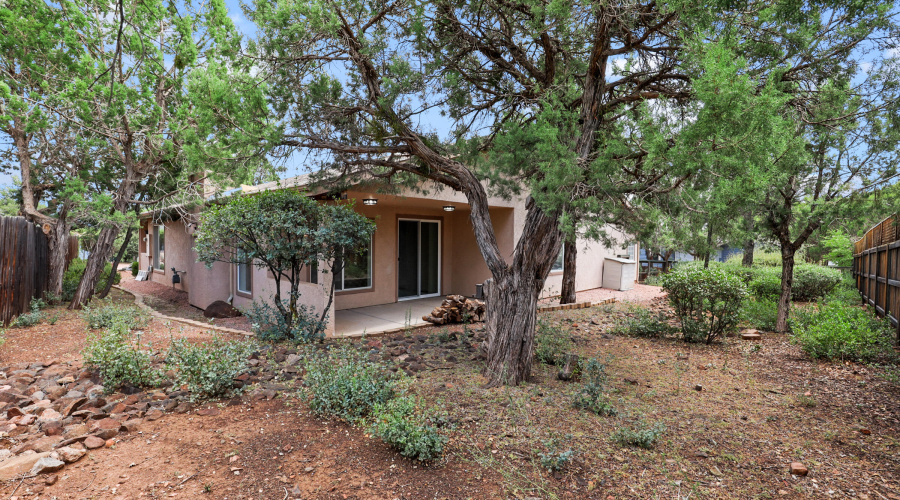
379 319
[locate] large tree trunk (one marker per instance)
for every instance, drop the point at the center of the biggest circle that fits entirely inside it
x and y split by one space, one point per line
749 248
787 283
59 227
511 301
112 275
59 249
570 255
105 241
94 266
706 256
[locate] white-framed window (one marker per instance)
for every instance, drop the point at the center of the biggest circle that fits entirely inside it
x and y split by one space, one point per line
159 251
244 282
558 264
354 272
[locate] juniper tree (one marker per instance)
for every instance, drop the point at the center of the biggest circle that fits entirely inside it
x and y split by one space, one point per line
582 107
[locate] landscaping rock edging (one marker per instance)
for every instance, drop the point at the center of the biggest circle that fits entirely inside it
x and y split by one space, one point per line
139 301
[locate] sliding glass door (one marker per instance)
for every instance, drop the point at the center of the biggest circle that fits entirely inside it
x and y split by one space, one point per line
418 258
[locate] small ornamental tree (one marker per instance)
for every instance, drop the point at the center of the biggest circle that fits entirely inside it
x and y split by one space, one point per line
281 231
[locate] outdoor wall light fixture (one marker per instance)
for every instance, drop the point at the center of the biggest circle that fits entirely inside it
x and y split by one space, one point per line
370 201
449 208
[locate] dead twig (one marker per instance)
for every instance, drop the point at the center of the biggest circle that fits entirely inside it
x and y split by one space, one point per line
90 483
187 479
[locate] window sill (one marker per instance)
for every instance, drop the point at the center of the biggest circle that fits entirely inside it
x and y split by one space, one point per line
353 291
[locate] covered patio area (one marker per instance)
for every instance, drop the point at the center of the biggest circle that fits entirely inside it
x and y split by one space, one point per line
382 318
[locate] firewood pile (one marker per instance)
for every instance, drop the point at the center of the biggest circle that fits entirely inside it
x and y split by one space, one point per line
456 309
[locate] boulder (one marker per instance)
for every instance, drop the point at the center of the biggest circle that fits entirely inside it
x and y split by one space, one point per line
16 466
92 442
69 454
221 309
46 465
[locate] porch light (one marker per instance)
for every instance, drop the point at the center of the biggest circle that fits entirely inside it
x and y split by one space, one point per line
449 208
370 201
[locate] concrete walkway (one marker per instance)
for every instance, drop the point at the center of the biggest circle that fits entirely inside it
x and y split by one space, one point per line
383 318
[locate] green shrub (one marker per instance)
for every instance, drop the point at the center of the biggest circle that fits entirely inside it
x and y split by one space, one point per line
120 359
845 293
592 394
344 383
551 343
209 369
105 315
75 271
760 259
639 435
33 316
812 282
2 337
765 283
555 461
839 331
269 324
135 268
760 313
645 324
706 301
402 423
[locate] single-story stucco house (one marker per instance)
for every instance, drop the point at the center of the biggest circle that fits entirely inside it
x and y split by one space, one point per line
423 247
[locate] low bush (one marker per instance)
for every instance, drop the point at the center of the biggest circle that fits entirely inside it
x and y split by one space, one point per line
645 324
554 460
759 313
765 283
135 268
845 293
34 316
209 369
551 343
839 331
706 301
75 271
813 282
640 435
105 315
120 359
269 324
403 423
344 383
592 394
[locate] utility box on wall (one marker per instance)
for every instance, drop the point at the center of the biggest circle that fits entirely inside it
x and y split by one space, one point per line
618 273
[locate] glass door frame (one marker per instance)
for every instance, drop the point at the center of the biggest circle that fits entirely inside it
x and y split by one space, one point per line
440 257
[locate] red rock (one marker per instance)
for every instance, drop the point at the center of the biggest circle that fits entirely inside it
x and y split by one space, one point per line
106 423
15 411
798 469
132 425
208 412
52 428
93 442
153 414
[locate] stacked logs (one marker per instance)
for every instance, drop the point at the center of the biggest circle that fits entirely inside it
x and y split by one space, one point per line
456 309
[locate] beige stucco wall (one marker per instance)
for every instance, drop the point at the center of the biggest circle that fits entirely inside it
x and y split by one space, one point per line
462 265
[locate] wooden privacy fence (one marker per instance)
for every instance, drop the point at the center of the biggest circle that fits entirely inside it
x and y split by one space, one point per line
24 266
876 268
